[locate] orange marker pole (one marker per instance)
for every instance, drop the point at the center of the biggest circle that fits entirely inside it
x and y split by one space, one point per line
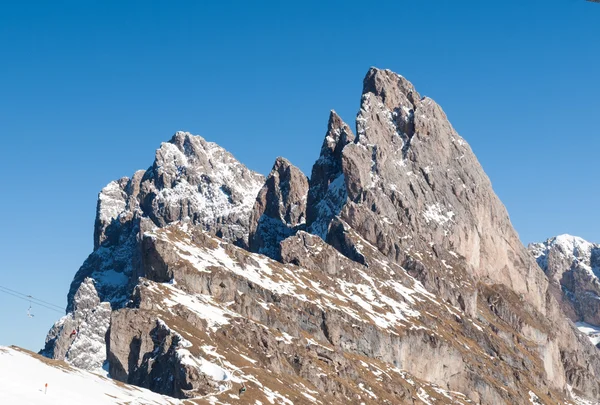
46 389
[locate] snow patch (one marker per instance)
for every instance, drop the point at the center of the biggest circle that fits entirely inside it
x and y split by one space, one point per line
435 213
592 332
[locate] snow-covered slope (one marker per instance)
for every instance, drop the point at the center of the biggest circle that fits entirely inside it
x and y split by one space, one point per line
593 332
23 376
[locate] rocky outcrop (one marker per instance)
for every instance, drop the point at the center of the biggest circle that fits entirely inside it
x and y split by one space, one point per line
327 192
279 210
221 297
573 267
145 352
191 180
408 171
398 276
80 336
199 181
417 193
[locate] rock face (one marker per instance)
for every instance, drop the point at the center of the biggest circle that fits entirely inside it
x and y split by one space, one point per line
327 193
392 276
200 181
573 267
191 180
408 171
279 210
80 336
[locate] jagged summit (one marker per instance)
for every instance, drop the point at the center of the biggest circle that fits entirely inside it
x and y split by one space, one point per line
570 244
327 191
392 88
279 210
199 180
190 180
392 275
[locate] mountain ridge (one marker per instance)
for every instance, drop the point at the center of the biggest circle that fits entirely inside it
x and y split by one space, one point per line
396 245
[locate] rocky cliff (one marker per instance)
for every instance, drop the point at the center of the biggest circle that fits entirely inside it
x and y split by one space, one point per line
392 275
191 180
279 210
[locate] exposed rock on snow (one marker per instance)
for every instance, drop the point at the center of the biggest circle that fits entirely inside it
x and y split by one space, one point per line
199 181
191 180
592 331
233 305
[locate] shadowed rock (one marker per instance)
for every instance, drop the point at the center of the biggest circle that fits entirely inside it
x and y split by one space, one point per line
327 193
279 210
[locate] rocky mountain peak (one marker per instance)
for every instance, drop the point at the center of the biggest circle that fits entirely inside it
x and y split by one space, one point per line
280 208
327 191
571 246
409 171
393 89
190 180
337 137
200 181
292 186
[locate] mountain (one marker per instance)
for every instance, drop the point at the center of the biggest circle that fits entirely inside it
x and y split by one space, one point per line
392 275
572 265
191 180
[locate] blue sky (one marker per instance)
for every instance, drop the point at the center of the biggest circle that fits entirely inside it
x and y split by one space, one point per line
90 89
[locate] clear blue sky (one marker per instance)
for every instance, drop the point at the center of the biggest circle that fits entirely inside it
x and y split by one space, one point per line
90 89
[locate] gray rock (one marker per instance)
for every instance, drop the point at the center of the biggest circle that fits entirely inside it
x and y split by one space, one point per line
279 210
327 193
191 180
573 267
80 336
418 194
199 181
407 281
143 351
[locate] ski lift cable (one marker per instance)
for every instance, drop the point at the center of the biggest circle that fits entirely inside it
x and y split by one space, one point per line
31 301
41 305
32 298
27 299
